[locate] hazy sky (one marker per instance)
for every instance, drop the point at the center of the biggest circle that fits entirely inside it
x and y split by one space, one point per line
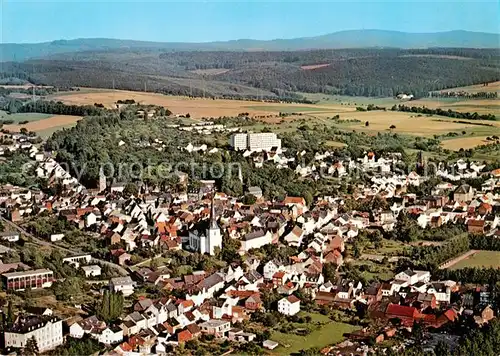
200 21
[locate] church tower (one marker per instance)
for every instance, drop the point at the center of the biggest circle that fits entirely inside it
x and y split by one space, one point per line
102 181
212 235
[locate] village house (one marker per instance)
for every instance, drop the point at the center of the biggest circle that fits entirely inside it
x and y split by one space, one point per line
289 305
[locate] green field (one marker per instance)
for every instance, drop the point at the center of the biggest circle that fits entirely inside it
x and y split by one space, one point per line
46 133
329 333
349 100
286 109
23 116
481 259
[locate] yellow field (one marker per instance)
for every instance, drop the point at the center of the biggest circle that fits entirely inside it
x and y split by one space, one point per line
196 107
379 121
495 86
46 124
456 144
409 123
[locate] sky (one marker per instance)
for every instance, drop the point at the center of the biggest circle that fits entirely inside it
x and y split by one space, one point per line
203 21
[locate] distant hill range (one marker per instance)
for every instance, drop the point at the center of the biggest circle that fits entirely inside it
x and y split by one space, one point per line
337 40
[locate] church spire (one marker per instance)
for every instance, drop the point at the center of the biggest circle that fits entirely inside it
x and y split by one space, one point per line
213 220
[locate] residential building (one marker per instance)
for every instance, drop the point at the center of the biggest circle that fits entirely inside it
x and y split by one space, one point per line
47 331
219 328
264 141
289 305
122 284
92 271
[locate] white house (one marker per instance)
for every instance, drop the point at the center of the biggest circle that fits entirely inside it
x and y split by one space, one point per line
441 291
111 335
255 239
289 305
9 236
92 271
122 284
271 267
56 237
412 277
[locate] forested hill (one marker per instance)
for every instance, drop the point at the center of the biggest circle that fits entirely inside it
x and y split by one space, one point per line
342 39
360 72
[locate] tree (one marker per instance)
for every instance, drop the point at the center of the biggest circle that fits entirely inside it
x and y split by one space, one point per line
249 199
23 131
31 347
367 123
392 127
130 189
111 306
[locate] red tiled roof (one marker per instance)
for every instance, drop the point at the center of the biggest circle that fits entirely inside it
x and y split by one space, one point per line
293 299
401 310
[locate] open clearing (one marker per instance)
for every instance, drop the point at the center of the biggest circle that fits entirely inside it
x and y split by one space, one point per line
409 123
23 116
480 259
456 144
491 87
329 333
196 107
314 66
46 125
329 106
211 71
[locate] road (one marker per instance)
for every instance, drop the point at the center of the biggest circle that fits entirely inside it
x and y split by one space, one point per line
41 242
455 260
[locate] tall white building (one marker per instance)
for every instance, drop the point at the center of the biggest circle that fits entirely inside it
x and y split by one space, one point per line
208 241
239 141
47 331
263 141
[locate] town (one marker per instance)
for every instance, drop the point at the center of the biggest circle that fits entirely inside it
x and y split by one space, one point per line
124 268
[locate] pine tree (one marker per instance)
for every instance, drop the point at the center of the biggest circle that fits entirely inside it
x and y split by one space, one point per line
31 347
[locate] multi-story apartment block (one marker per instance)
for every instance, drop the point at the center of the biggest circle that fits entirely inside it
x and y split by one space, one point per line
264 141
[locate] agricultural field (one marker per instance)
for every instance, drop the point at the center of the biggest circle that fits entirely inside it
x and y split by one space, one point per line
481 259
409 123
45 127
196 107
456 144
327 334
328 106
20 117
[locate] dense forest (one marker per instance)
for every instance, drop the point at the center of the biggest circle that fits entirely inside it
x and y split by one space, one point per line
360 72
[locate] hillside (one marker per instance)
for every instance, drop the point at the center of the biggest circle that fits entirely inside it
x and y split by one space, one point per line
265 74
337 40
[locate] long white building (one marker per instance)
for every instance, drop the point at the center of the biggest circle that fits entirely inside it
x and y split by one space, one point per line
47 331
263 141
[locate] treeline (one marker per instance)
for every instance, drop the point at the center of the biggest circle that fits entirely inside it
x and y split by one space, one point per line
483 242
430 257
441 112
470 275
464 94
51 107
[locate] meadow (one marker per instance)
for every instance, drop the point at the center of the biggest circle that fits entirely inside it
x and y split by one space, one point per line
481 259
328 333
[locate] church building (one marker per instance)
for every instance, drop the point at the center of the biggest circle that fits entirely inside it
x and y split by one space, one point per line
206 241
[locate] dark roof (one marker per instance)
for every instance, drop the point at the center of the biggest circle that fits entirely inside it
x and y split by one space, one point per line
25 324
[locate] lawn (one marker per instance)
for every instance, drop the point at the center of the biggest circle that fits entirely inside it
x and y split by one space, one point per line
329 333
481 259
29 116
